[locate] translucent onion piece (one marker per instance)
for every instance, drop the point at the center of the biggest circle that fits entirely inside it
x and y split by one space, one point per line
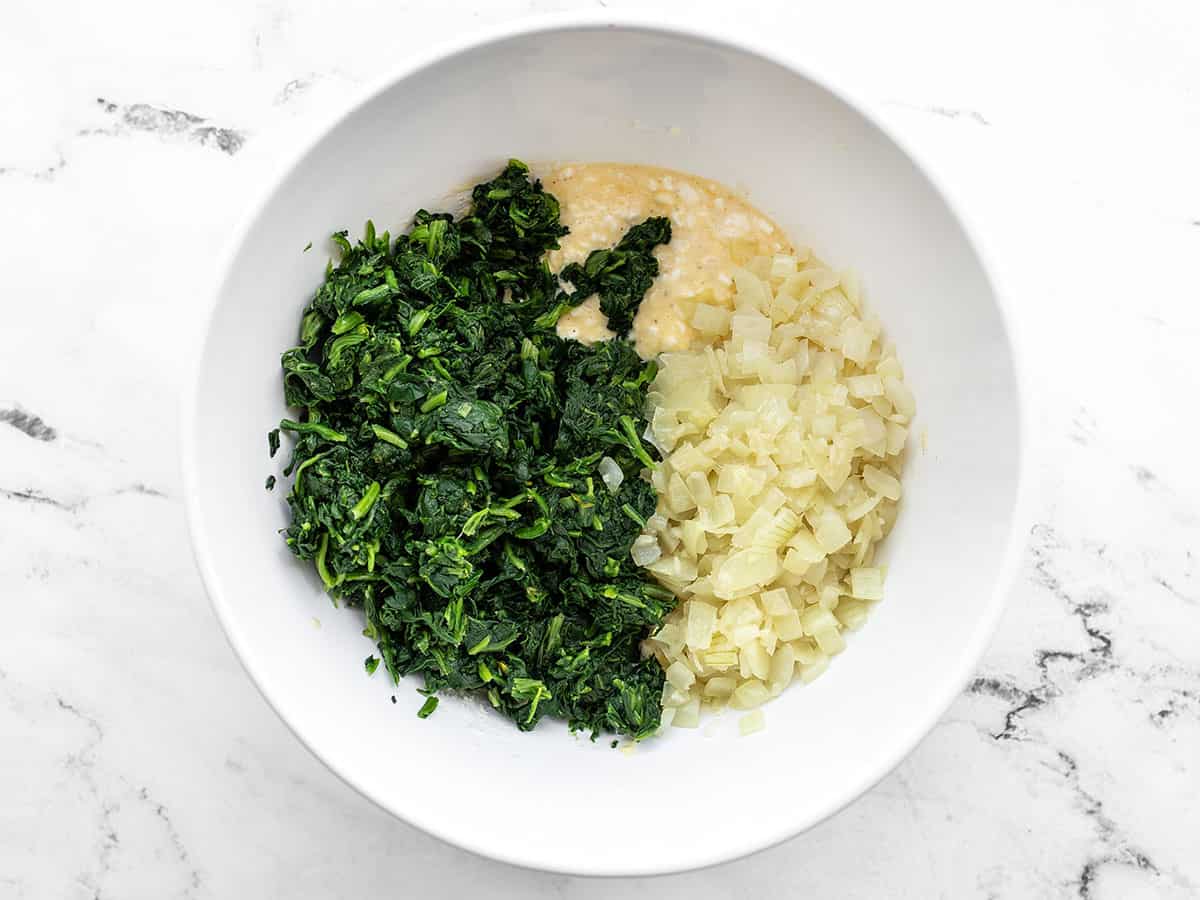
782 439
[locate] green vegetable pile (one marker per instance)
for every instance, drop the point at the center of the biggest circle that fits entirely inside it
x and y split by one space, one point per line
448 453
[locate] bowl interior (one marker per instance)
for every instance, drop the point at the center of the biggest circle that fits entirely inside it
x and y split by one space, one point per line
832 179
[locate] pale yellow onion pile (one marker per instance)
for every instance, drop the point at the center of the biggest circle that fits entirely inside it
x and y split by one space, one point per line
782 442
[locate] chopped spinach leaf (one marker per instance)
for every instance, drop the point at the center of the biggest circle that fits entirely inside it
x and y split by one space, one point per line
445 470
427 708
622 275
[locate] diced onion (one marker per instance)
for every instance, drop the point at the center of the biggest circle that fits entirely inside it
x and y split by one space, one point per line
866 583
883 483
720 686
749 694
688 715
782 441
701 622
751 723
680 676
645 550
610 473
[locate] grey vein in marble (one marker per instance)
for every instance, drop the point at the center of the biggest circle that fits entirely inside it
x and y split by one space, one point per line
181 852
1115 848
82 762
946 112
29 495
1096 658
950 112
40 498
1099 656
1145 478
1058 668
1083 427
45 173
1174 591
144 489
28 423
170 123
293 89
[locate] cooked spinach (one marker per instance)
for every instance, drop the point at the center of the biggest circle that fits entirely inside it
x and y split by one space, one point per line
446 459
622 275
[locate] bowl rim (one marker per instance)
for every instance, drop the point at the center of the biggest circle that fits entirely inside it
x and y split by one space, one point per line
703 32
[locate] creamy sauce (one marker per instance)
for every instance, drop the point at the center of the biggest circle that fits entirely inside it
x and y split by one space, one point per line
713 231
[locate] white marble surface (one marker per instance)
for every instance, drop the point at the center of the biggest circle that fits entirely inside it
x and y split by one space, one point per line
136 760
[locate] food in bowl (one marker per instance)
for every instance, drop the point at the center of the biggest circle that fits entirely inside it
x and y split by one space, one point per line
610 449
834 180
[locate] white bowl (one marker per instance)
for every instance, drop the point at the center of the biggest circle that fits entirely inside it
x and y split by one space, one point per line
619 90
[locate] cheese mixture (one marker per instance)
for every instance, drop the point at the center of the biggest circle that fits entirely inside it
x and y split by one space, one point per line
713 231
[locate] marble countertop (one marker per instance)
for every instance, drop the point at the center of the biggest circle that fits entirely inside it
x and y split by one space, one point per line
136 759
